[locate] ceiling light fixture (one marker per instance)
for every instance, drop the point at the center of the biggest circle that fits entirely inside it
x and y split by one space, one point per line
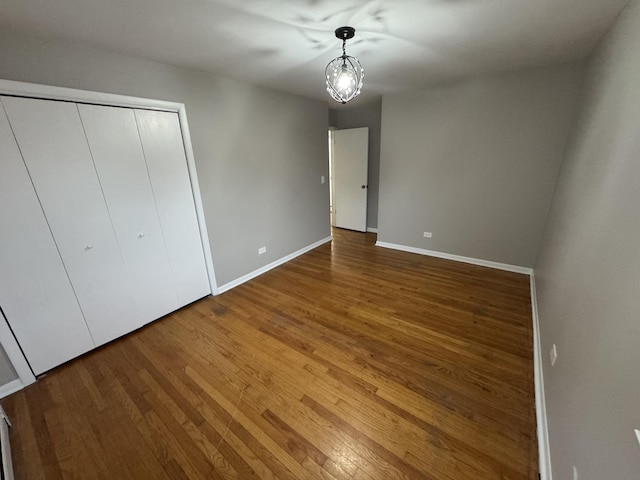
344 74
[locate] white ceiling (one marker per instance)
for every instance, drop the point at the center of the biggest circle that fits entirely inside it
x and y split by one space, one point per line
402 44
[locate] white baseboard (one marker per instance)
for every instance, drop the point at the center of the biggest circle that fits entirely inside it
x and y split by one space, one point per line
372 230
457 258
272 265
544 454
11 387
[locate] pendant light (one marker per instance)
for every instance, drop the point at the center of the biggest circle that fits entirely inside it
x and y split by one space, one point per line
344 74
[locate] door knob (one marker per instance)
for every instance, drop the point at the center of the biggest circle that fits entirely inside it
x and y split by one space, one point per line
88 247
140 235
363 186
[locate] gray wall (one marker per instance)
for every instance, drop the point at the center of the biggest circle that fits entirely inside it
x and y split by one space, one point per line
365 115
588 273
333 118
259 153
7 372
475 163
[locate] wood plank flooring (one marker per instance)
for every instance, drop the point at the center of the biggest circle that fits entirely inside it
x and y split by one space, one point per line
350 362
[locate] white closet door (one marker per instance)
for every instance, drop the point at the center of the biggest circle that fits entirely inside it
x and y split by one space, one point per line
164 151
54 148
35 292
113 138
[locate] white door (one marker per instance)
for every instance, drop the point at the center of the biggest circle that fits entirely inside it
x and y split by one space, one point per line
54 147
167 163
35 292
350 163
115 145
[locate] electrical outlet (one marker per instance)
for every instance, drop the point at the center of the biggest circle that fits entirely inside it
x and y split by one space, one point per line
427 235
262 250
322 179
553 355
575 473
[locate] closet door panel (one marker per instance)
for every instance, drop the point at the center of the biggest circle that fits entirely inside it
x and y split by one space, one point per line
113 138
35 292
164 151
55 151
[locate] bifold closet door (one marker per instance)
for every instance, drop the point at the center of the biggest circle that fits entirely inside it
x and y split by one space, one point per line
54 148
35 292
114 142
163 147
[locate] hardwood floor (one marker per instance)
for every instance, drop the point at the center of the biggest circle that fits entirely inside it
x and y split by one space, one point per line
350 362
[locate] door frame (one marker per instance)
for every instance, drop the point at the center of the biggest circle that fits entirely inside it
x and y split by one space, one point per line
331 170
50 92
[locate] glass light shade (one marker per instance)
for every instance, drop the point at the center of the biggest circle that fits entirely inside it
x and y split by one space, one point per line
344 78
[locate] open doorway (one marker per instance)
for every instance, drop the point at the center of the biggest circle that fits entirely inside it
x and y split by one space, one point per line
348 165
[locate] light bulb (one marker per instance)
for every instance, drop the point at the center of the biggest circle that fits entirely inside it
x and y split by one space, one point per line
345 80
